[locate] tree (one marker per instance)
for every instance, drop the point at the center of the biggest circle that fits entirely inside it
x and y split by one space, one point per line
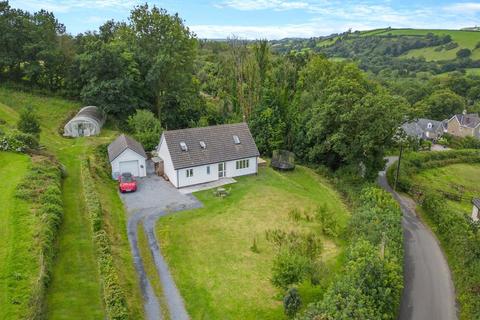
292 302
28 122
289 268
442 104
268 129
343 118
145 128
464 53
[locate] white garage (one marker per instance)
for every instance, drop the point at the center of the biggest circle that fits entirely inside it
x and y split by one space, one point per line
127 155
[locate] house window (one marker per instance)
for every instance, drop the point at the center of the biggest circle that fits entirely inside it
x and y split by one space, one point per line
242 164
189 173
208 169
236 139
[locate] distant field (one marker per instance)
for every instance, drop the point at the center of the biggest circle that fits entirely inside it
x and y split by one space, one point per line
208 249
465 39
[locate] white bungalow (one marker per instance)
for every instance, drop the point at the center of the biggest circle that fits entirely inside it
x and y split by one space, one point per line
87 122
200 155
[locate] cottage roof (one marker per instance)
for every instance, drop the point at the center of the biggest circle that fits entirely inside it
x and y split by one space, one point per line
476 202
471 120
420 126
123 143
208 145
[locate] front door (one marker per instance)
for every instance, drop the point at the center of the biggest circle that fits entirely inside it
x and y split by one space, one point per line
222 169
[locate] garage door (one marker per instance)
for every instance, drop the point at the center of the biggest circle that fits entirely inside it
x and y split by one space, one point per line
129 166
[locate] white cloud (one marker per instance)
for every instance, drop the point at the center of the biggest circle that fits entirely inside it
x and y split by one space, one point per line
279 5
62 6
464 7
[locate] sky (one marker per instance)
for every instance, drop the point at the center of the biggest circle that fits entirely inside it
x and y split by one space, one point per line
270 19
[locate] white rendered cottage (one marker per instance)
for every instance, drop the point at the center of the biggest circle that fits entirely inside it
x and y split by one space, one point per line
127 155
200 155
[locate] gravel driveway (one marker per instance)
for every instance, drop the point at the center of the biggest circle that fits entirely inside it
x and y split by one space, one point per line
154 198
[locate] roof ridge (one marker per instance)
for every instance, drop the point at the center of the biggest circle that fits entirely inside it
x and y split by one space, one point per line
208 127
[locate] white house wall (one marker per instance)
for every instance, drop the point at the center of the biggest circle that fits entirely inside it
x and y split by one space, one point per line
200 175
129 155
168 169
232 170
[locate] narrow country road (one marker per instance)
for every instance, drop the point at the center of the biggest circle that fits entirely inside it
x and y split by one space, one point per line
429 292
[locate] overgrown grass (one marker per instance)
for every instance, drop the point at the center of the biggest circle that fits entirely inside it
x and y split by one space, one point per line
209 249
18 260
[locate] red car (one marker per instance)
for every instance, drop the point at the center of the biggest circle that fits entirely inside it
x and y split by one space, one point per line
127 183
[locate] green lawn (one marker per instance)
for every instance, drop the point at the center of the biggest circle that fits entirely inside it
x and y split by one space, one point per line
18 263
209 253
75 289
452 179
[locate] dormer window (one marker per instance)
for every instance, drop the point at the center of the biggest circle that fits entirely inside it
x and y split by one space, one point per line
183 145
429 125
203 145
236 139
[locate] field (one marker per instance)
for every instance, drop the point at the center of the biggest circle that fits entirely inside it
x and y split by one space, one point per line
209 249
451 179
75 289
17 230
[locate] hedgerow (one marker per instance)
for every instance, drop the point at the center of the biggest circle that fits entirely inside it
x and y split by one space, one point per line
370 285
113 294
41 188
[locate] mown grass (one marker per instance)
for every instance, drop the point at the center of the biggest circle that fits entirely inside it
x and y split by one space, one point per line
18 262
75 289
209 253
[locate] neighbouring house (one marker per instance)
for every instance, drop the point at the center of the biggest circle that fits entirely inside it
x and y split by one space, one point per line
476 209
87 122
424 129
200 155
127 155
463 125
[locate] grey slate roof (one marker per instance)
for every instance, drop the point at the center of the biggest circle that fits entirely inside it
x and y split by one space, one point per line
419 127
219 142
122 143
476 202
468 120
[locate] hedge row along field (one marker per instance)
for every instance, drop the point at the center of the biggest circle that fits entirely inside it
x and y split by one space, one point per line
41 188
460 237
371 283
113 294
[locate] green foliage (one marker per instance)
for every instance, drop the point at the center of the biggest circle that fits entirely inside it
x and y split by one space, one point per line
17 141
292 302
343 118
28 122
370 285
146 128
414 163
41 189
328 220
442 104
464 53
289 268
112 292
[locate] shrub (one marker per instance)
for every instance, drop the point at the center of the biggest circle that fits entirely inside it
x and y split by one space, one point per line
28 122
464 53
328 220
17 141
292 302
289 268
146 128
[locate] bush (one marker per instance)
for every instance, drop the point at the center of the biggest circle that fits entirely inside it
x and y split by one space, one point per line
146 128
28 122
292 302
464 53
328 220
289 268
17 141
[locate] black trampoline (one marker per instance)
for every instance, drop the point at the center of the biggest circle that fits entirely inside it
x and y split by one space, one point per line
283 160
